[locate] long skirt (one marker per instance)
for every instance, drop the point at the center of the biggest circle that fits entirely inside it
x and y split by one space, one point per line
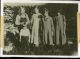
35 35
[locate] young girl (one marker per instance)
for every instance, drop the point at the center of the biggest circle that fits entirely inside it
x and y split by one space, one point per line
24 38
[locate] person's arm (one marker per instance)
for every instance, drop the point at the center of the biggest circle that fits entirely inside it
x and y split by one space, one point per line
29 35
52 25
42 18
64 23
32 19
17 20
54 18
27 19
20 37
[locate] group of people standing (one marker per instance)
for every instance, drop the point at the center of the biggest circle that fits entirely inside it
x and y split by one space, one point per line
42 27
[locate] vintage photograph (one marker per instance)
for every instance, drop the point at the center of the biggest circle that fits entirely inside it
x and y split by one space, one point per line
40 29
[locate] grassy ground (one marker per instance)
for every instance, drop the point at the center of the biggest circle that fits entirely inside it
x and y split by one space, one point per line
46 50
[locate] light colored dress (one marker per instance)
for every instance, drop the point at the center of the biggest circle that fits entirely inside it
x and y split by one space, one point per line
35 29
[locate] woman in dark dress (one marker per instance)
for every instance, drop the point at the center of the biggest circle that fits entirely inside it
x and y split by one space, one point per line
21 19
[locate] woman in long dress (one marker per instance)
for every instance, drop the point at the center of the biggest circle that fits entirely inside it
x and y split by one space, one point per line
35 29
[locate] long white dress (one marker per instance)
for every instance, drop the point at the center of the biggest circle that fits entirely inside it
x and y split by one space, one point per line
35 29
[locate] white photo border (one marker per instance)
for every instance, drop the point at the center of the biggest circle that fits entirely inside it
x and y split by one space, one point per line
32 1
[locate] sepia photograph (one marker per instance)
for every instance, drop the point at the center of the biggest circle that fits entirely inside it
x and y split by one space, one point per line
40 29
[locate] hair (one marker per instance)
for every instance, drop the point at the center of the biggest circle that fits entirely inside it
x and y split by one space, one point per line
35 8
20 9
60 10
46 9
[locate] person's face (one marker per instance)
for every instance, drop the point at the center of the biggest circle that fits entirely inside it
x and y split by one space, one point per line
22 10
58 13
46 13
36 10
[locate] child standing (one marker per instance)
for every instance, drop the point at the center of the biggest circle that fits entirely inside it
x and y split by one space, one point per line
24 38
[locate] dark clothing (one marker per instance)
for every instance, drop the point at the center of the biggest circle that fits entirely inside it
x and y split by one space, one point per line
24 44
41 29
23 20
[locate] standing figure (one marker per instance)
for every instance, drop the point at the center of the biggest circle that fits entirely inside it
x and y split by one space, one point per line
25 38
60 29
48 28
21 19
41 29
35 29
